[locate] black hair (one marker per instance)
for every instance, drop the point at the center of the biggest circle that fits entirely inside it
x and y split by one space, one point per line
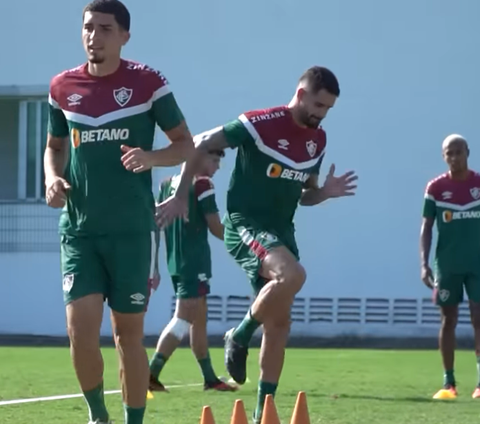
318 78
219 153
111 7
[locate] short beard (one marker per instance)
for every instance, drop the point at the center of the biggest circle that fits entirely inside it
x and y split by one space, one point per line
96 59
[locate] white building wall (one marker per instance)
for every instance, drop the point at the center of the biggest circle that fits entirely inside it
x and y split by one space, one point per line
408 73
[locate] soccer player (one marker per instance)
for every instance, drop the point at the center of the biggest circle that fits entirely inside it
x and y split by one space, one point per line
100 112
190 268
279 155
453 201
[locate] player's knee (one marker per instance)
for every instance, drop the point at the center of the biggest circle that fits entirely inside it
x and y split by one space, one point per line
294 276
187 309
475 314
449 318
83 336
178 328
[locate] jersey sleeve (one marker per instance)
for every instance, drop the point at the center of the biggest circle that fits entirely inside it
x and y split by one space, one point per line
205 194
429 205
165 108
57 123
236 134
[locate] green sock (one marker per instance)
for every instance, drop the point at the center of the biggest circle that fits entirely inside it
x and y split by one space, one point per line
264 389
157 363
449 378
133 415
207 369
96 404
244 332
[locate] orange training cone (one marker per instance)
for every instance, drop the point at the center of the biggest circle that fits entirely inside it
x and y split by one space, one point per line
207 416
270 415
300 412
239 416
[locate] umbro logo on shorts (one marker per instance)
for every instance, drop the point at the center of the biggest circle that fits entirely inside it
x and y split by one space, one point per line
137 299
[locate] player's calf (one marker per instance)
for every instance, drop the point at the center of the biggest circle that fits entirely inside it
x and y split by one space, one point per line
449 318
128 334
84 318
172 335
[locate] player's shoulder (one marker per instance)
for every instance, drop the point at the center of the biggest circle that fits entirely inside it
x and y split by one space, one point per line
145 73
435 185
203 184
476 176
265 115
65 78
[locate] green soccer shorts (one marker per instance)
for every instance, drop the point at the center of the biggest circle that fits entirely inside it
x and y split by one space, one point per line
449 288
120 267
248 244
191 288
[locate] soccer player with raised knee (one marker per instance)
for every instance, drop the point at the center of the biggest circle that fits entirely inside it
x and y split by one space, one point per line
279 152
190 268
453 201
100 114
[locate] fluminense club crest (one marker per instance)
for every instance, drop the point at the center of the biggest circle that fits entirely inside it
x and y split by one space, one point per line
475 192
311 148
122 95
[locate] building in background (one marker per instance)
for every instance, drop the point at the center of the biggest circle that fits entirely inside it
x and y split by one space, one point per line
406 83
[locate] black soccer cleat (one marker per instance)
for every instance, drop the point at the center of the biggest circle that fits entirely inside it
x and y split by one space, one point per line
155 385
235 358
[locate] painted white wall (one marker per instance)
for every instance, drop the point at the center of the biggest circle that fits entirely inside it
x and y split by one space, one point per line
408 73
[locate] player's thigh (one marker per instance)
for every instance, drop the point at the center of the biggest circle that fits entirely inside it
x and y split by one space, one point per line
82 269
472 287
449 289
130 262
250 246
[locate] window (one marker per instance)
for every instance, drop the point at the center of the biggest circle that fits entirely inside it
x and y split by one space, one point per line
33 117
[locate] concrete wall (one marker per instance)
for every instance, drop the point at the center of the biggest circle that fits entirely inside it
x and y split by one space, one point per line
408 73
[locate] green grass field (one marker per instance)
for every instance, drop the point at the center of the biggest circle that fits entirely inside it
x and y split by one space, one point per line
342 386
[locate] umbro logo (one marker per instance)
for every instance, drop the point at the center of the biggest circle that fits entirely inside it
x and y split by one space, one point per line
74 99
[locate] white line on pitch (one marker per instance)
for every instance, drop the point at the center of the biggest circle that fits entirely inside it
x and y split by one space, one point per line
62 397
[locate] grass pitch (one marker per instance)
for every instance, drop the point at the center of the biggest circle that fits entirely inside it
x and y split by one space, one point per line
345 386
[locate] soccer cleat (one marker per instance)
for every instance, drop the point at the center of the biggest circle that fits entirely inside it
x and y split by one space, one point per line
155 385
220 386
235 358
476 393
448 392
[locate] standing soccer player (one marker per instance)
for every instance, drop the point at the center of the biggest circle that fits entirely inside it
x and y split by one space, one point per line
104 108
190 268
279 155
453 200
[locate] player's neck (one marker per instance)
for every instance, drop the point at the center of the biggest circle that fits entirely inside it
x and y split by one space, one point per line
103 69
459 175
293 107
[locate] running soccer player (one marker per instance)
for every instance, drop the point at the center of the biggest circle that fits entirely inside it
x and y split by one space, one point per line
190 268
279 155
453 201
100 112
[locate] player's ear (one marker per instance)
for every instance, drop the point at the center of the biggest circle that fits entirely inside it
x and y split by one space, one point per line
300 93
126 37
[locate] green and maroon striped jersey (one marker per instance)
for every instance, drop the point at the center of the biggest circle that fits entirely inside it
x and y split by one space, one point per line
188 250
275 157
99 114
455 205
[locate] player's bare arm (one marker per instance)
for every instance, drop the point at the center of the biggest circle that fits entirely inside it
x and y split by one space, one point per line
55 160
425 246
177 205
333 187
215 225
177 152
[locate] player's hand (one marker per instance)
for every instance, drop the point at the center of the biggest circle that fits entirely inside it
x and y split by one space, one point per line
169 210
339 186
135 159
427 277
56 192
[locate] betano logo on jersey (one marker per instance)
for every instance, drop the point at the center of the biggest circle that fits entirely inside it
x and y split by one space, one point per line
91 136
449 216
275 170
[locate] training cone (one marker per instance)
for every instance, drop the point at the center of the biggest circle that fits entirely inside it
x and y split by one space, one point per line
239 416
207 416
444 394
300 412
270 415
149 395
